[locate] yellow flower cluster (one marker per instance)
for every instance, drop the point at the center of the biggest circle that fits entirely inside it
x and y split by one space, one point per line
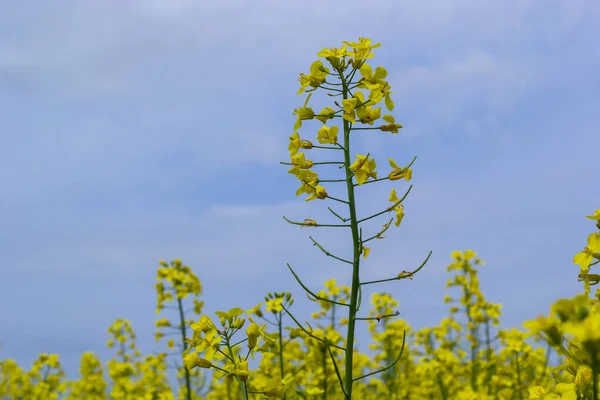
355 109
465 357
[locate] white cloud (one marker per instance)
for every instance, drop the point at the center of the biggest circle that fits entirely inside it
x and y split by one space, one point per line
113 46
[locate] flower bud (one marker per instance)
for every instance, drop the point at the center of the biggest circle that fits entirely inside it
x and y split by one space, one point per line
400 173
192 360
253 334
306 144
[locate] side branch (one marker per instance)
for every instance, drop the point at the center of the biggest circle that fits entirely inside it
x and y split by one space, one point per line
335 366
389 366
328 253
401 275
372 181
385 227
315 224
390 208
308 333
311 293
387 177
379 317
328 196
337 215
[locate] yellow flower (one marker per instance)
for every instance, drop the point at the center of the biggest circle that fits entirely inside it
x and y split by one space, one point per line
254 332
300 161
348 105
309 180
366 251
333 55
366 113
362 49
198 306
274 305
586 331
399 173
230 315
163 322
317 76
331 286
327 135
326 113
192 361
255 310
303 113
274 388
209 346
389 104
318 193
391 125
567 391
363 168
590 252
399 214
456 254
204 324
596 215
296 143
399 208
469 254
372 80
537 392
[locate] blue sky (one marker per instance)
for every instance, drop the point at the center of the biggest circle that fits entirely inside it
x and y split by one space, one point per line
145 130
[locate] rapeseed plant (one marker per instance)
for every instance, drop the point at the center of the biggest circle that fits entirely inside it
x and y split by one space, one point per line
360 98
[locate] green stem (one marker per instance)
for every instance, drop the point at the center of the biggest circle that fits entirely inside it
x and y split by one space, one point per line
518 367
325 353
242 385
349 359
333 316
489 356
280 327
388 377
324 366
188 382
546 361
595 371
474 332
443 390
